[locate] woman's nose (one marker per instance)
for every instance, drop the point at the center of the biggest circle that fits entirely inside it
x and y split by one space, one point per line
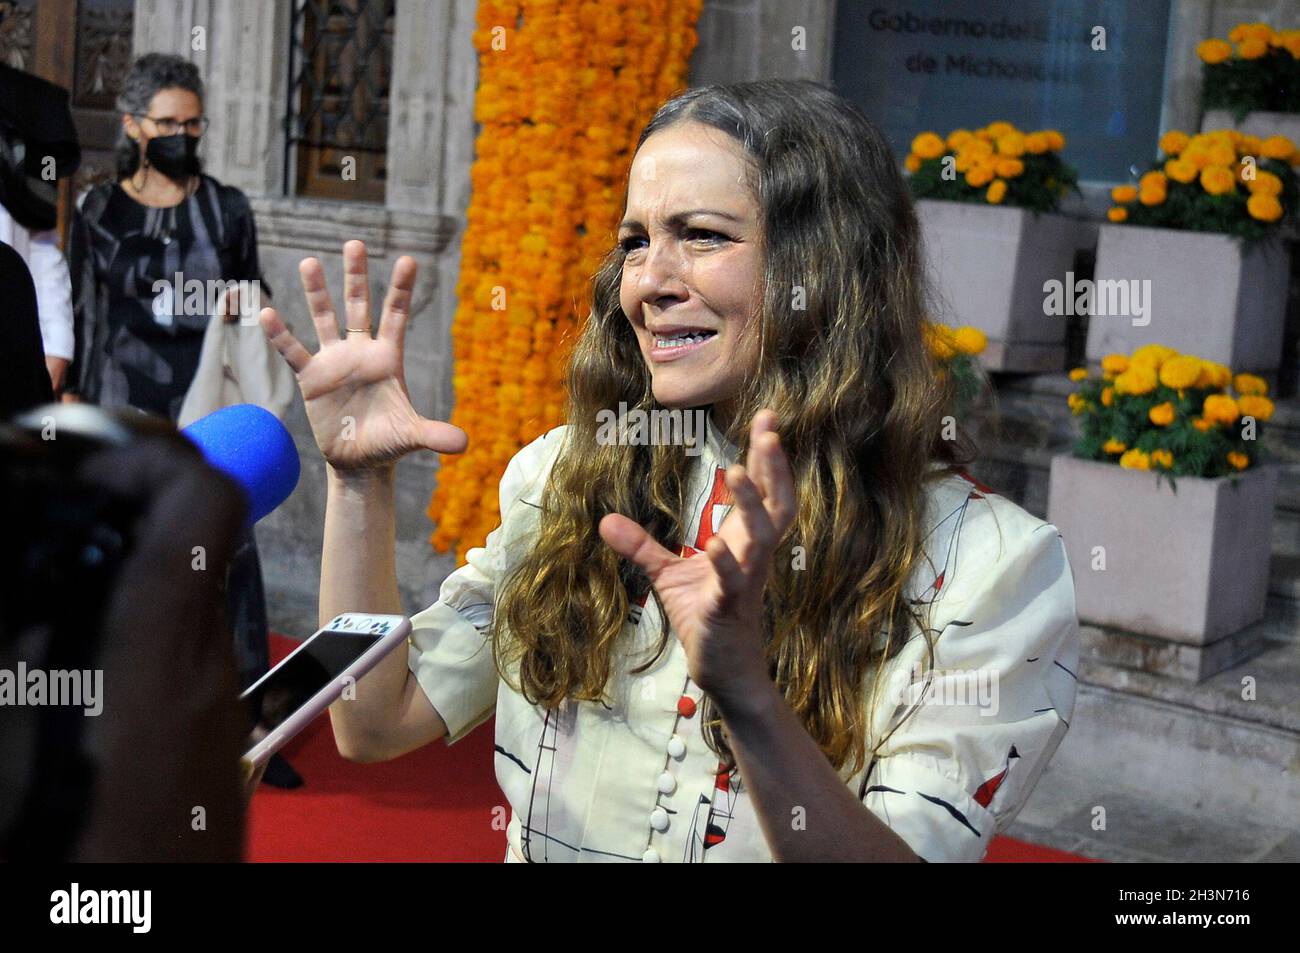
660 269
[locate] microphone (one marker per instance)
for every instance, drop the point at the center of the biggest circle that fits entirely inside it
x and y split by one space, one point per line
250 445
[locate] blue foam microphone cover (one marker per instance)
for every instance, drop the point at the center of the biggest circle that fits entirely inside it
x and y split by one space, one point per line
250 445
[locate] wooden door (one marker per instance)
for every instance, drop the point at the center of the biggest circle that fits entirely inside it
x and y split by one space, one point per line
88 60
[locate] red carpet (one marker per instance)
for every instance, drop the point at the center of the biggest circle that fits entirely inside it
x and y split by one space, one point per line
434 804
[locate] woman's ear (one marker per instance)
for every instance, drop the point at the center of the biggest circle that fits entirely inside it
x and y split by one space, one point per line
131 127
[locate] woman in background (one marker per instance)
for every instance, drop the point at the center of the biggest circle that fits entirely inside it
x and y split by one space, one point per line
138 339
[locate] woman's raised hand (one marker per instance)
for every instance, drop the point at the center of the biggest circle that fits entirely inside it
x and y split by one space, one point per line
354 387
714 600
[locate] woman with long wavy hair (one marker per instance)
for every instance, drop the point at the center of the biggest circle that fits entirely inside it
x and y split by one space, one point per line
807 634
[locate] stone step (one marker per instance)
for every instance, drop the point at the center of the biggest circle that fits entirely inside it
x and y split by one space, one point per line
1201 744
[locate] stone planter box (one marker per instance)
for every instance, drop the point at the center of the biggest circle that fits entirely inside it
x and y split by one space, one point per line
1255 124
1189 566
1207 296
987 266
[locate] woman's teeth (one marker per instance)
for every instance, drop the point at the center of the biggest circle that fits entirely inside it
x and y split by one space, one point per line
683 341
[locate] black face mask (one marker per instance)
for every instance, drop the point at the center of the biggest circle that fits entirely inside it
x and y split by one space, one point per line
174 156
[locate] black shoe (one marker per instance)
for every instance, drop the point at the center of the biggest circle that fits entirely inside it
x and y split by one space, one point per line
280 774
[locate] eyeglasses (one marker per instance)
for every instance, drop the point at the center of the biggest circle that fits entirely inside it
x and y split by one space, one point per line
169 127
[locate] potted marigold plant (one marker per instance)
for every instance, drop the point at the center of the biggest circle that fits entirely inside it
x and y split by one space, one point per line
1197 241
1164 506
985 199
1251 81
956 351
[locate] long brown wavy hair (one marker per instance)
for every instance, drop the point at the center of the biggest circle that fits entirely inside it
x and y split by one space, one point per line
861 414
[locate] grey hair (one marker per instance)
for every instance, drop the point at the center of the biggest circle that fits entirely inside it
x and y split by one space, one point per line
150 74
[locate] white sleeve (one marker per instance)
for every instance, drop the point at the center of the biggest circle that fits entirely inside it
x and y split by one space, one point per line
53 294
450 654
961 766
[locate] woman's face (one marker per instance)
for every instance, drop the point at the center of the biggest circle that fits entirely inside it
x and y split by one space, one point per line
691 278
179 105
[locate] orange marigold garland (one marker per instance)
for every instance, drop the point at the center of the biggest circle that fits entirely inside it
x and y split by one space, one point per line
564 89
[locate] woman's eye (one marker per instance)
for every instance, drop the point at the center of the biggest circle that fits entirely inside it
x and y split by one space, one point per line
629 244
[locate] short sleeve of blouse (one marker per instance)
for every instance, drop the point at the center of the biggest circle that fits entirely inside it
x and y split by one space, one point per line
986 720
449 650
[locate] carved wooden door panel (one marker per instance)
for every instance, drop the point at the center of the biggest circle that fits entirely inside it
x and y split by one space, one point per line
89 60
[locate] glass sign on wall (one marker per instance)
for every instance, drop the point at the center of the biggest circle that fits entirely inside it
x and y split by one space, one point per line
1092 69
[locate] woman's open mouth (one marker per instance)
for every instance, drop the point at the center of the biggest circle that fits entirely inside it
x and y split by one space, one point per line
679 345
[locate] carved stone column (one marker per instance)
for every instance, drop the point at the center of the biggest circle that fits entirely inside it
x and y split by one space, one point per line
431 122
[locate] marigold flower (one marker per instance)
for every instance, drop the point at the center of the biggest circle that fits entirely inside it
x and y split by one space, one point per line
1152 355
1173 142
1249 384
1264 183
1180 372
1253 405
1011 144
1007 168
1162 415
1276 147
1196 155
1251 31
1214 51
1180 170
1213 374
1249 145
939 339
1114 363
1153 180
928 145
1252 49
1137 380
1218 180
1264 208
1238 460
1135 459
969 341
1220 409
